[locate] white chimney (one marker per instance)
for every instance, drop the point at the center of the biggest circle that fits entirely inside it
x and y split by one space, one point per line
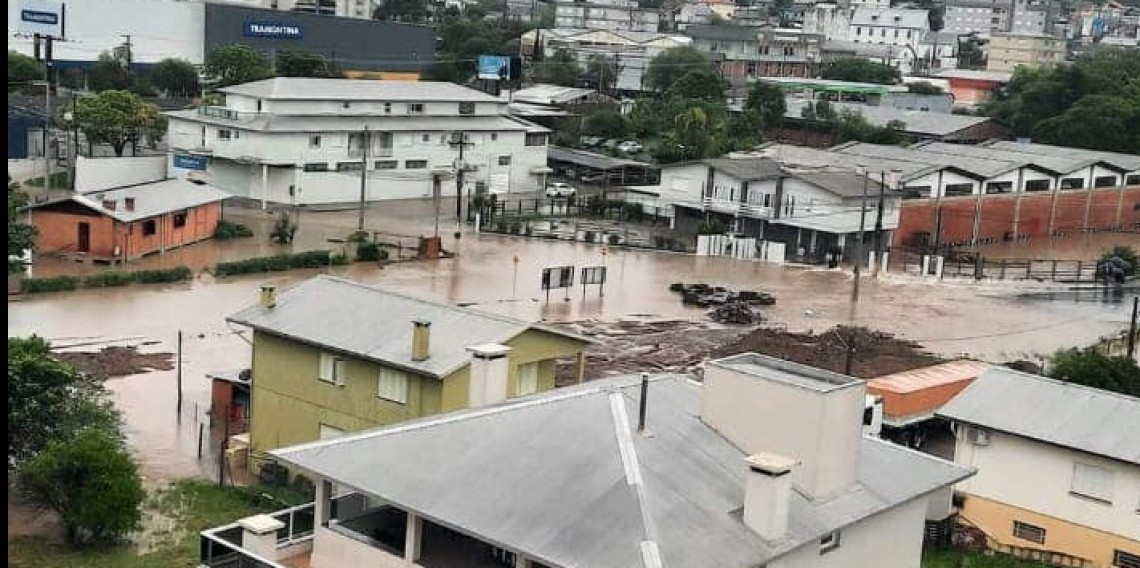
488 372
764 404
767 491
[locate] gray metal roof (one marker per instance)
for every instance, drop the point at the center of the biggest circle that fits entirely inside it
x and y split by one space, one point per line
746 169
890 17
1091 420
354 123
1061 164
917 121
591 159
1125 161
376 324
150 199
563 477
312 89
722 33
841 183
979 165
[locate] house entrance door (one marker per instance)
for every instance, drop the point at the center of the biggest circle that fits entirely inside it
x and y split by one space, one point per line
83 239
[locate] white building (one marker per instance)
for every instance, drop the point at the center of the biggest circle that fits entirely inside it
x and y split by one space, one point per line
899 27
764 465
1058 468
292 140
609 15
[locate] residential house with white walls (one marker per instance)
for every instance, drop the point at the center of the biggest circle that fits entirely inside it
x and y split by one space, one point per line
306 141
1058 468
765 464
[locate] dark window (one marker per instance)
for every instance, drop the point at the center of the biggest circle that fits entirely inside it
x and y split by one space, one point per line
150 227
957 189
536 139
387 108
467 107
504 160
315 141
868 416
415 164
386 164
494 136
258 105
349 166
1104 181
1122 559
224 134
829 542
1132 180
415 108
916 192
1072 183
180 219
1026 531
1037 185
317 167
999 187
426 137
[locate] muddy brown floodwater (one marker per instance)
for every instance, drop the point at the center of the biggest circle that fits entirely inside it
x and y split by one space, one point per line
984 320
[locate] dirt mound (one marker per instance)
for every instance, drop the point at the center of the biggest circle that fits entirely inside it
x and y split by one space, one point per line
116 361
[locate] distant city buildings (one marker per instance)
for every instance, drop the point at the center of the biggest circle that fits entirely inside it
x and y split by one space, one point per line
608 15
630 51
1009 51
742 53
983 17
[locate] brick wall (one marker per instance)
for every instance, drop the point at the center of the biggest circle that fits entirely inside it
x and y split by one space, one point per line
200 224
58 231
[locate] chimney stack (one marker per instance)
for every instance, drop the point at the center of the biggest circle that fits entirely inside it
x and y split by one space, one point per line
767 491
129 203
421 340
268 296
642 402
109 204
488 374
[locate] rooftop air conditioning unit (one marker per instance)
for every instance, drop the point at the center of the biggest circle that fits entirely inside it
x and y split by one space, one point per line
978 437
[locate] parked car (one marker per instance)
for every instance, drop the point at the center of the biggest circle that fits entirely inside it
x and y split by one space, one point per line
630 147
590 141
611 143
559 189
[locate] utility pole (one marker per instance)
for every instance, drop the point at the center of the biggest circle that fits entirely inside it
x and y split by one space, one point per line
859 239
178 374
1132 328
459 141
366 141
130 56
47 60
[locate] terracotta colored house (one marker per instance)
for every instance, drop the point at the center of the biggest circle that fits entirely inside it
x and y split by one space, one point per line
128 222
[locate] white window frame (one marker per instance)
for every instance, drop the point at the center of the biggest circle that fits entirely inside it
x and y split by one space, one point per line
1092 482
830 541
527 378
392 385
415 108
1025 531
332 369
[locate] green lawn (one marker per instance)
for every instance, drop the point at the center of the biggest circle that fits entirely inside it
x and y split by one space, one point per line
194 504
956 559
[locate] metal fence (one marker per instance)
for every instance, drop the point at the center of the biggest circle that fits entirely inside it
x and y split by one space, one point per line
980 267
220 547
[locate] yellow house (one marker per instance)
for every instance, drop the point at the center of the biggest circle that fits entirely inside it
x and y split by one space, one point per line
1058 468
332 356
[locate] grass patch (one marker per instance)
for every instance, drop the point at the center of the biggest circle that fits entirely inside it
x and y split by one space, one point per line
195 504
961 559
107 279
58 181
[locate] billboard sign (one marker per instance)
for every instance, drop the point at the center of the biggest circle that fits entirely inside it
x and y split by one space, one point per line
557 277
41 17
188 162
279 30
494 67
593 275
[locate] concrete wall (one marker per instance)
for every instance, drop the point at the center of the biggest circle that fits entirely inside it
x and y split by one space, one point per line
891 539
93 174
334 550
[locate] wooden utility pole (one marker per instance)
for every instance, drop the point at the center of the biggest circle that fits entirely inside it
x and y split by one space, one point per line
178 375
459 141
1132 328
366 141
859 239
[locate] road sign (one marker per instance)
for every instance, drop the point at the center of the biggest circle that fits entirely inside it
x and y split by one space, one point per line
557 277
593 275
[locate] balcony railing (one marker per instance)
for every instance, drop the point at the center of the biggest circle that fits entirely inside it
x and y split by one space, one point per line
220 547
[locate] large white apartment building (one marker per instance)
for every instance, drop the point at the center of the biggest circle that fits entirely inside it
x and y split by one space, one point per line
610 15
303 141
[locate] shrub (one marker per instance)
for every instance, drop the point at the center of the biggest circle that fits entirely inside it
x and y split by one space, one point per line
108 279
49 284
283 230
370 252
176 274
614 239
1112 257
229 230
279 262
358 237
591 236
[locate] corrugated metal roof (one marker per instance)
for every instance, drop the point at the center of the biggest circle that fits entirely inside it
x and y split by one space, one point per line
746 169
1061 164
563 478
926 377
1126 161
916 121
376 324
592 159
150 199
307 88
1074 416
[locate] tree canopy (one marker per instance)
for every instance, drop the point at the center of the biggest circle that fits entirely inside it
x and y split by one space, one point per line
410 11
1093 102
862 71
606 123
119 118
109 73
22 69
301 63
852 126
561 69
233 64
465 35
175 77
21 235
672 64
601 72
766 100
1092 368
701 83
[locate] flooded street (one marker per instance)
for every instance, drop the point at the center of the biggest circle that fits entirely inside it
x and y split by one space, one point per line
984 320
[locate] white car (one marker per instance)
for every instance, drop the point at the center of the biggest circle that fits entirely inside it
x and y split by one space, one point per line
630 147
559 189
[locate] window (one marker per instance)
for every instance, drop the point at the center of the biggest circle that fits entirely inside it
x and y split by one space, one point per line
386 164
1072 183
415 108
908 32
1122 559
1104 181
1037 185
224 134
504 160
539 139
392 385
858 31
1132 180
326 432
415 164
425 137
829 542
896 34
959 189
467 107
528 378
1026 531
316 167
494 136
315 141
150 227
180 219
349 166
347 104
387 108
1092 482
332 369
258 105
999 187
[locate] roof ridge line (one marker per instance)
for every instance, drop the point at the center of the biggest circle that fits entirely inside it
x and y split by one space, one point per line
452 307
651 556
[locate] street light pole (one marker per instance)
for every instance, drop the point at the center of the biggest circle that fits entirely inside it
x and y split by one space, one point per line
862 171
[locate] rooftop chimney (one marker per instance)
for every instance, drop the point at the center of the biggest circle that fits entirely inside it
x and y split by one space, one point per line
129 203
764 404
642 402
109 204
488 374
421 340
767 491
268 296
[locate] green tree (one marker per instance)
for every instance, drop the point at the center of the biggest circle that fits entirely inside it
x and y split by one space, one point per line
561 69
861 70
301 63
21 235
701 84
924 88
1123 252
606 123
410 11
49 400
601 72
766 100
1092 368
852 126
175 77
91 481
22 69
672 64
234 64
108 73
1098 122
119 118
